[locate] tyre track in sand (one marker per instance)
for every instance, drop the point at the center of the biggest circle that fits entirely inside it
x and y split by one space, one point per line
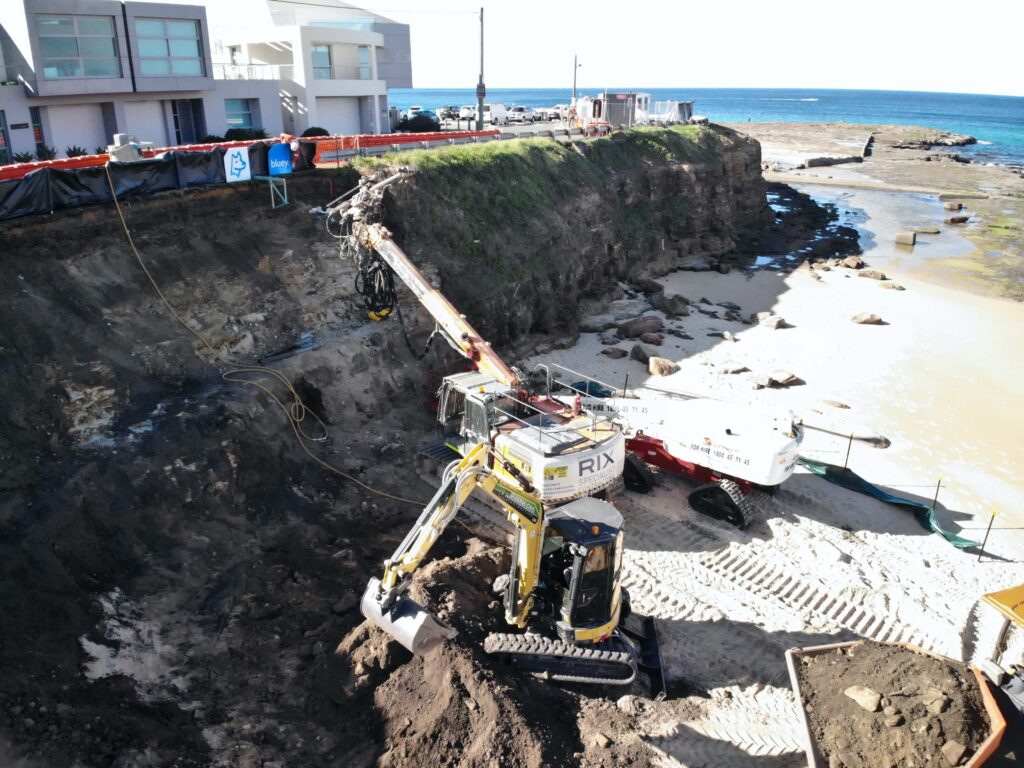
743 728
730 603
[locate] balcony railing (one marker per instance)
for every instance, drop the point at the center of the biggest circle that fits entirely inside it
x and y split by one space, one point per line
12 74
343 72
287 72
253 72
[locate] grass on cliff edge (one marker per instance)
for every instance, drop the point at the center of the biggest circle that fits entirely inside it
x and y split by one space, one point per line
522 176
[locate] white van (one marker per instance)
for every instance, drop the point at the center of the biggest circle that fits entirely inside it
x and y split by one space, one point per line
496 114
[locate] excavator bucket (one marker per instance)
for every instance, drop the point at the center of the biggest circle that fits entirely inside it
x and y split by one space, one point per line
406 621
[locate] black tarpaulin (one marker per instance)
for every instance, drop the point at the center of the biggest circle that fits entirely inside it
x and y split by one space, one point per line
25 196
50 189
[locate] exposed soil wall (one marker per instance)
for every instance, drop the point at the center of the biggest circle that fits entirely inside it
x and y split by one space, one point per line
523 232
174 571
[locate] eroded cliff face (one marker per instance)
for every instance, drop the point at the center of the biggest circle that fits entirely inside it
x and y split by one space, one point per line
174 570
522 234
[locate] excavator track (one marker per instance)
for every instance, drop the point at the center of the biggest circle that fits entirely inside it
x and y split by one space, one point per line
724 500
564 662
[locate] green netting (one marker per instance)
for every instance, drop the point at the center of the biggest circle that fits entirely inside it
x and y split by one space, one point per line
847 478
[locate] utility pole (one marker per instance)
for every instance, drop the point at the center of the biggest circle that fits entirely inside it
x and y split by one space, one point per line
575 66
481 89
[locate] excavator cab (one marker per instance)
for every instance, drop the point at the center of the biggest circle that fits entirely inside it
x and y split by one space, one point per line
580 601
580 571
472 404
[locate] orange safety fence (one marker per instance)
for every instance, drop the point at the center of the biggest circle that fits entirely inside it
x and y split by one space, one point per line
327 149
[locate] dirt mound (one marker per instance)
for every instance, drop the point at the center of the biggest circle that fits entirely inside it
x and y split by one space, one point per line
882 705
456 704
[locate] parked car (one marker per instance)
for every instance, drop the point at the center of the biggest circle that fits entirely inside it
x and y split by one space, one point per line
495 114
467 112
521 114
423 121
426 114
448 113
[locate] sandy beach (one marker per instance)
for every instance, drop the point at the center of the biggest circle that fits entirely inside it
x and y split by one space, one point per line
942 378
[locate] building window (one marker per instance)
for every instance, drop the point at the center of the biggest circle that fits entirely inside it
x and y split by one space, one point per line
365 70
5 142
240 113
37 128
78 46
169 48
321 62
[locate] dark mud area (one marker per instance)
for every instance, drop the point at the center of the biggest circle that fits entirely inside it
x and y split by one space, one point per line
882 705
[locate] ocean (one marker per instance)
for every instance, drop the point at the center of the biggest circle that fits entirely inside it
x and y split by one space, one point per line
996 121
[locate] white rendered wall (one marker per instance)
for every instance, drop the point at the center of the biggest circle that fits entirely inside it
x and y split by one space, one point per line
80 124
338 114
146 121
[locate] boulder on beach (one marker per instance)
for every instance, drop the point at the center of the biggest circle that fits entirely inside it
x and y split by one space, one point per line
951 206
731 366
597 323
867 318
647 285
632 329
654 339
768 320
672 306
783 378
893 286
615 353
660 366
778 378
906 238
640 353
680 333
957 219
872 274
927 230
853 262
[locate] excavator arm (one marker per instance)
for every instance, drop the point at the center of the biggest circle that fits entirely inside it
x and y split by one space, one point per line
454 325
409 623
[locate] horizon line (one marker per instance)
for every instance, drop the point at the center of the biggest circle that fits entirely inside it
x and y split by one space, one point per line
644 89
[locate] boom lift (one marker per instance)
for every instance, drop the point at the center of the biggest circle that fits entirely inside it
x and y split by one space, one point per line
564 585
564 451
726 447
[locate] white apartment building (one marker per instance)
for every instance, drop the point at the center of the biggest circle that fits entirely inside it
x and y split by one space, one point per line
75 72
335 62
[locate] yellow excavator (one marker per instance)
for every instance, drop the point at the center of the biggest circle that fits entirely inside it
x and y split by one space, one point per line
541 460
564 586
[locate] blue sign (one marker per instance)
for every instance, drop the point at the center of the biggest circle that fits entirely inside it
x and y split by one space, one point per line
280 159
